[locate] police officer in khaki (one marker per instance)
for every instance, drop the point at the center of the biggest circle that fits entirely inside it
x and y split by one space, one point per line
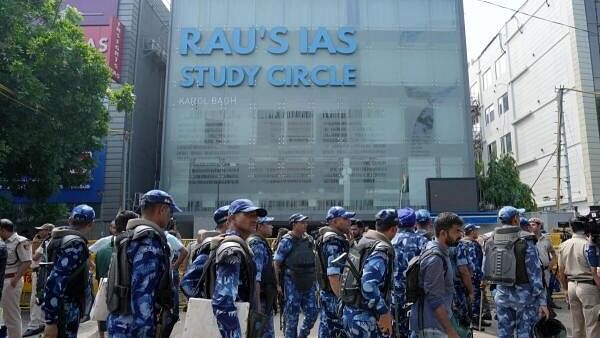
575 273
17 263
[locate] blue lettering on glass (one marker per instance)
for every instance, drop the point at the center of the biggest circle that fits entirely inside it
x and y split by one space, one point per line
237 41
343 43
282 45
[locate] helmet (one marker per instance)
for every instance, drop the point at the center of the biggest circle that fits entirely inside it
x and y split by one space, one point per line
548 328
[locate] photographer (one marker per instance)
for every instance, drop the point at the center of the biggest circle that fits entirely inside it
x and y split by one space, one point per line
579 279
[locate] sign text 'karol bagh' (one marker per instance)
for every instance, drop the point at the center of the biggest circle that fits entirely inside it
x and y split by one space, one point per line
194 44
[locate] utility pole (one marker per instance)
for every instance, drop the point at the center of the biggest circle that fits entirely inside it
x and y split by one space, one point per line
559 101
566 160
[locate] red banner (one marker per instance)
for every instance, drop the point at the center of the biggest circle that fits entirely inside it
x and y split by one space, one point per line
108 40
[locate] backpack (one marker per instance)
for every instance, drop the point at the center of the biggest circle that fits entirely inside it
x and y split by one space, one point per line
203 247
414 292
118 292
300 262
504 256
326 234
221 246
62 237
351 293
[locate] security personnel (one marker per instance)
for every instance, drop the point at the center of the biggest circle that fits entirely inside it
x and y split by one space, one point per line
149 259
68 285
266 286
295 260
331 243
39 243
577 278
17 262
369 314
424 224
519 306
469 255
190 280
407 244
230 282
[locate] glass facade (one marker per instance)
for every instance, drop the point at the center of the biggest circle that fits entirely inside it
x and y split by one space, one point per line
302 147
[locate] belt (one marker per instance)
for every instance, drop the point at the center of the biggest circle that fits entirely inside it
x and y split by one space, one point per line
588 281
9 275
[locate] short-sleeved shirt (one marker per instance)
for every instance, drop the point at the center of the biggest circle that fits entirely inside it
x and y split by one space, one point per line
175 245
19 250
572 256
544 250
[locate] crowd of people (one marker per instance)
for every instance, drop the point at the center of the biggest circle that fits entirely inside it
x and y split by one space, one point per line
411 275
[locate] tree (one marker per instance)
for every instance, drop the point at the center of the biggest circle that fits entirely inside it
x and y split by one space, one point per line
501 185
53 90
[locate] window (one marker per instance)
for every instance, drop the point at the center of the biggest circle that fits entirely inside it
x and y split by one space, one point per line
503 104
489 114
501 66
488 78
506 144
492 150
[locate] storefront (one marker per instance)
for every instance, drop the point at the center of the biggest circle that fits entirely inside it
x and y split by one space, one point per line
300 105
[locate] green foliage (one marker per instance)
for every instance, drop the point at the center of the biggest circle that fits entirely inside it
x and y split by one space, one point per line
501 185
27 216
123 98
52 91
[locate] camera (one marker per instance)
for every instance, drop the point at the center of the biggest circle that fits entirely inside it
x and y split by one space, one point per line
592 224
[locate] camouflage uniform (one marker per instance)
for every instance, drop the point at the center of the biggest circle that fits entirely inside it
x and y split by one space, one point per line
362 322
469 253
147 264
226 292
331 323
294 299
190 280
517 306
261 261
407 244
58 306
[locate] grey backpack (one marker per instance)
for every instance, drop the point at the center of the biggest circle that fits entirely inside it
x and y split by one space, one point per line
504 256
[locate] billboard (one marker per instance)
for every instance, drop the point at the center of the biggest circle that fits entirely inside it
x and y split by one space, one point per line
452 194
108 40
95 12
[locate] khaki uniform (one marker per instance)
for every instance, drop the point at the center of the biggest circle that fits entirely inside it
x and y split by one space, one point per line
19 251
36 314
584 295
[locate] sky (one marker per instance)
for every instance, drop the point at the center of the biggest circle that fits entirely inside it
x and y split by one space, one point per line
483 21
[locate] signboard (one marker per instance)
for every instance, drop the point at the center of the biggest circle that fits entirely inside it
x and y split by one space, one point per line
95 12
108 40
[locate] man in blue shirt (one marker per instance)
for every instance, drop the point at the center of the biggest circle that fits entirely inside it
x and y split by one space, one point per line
430 316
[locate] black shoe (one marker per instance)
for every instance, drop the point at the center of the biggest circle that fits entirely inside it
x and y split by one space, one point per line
554 306
3 332
487 316
31 332
486 324
476 328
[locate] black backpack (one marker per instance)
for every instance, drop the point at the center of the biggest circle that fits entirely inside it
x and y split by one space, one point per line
118 293
414 292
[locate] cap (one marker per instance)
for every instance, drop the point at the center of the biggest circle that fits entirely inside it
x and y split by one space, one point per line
266 219
221 214
407 217
422 215
508 212
523 222
387 216
297 218
159 196
337 211
245 206
471 227
47 226
83 212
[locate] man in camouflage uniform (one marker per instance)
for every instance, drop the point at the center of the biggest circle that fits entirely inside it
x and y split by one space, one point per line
424 224
470 255
61 309
297 297
230 281
149 261
519 307
189 282
331 244
372 316
407 244
266 288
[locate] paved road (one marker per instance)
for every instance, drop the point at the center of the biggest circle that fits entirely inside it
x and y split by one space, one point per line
88 329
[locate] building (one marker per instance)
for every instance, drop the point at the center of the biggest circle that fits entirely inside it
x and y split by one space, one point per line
514 82
301 105
130 161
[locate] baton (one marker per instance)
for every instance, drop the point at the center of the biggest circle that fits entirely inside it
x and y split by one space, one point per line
481 306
